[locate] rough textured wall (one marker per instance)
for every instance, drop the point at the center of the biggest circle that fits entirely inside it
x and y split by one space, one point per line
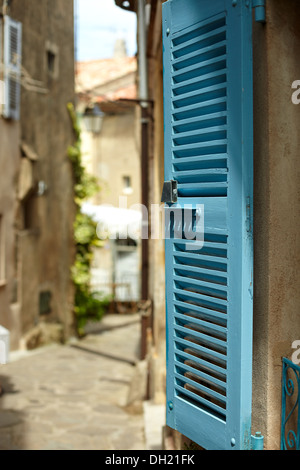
114 156
156 179
110 156
276 210
45 237
276 207
9 165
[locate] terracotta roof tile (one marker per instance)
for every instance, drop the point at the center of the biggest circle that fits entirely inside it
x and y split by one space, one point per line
107 79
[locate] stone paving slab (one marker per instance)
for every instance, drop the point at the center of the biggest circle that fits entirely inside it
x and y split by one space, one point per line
74 396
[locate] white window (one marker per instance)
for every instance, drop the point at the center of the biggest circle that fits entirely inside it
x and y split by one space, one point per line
11 58
127 185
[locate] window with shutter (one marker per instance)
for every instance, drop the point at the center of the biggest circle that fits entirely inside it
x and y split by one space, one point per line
208 152
12 67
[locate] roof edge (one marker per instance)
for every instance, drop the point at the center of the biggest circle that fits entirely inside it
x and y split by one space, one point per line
128 5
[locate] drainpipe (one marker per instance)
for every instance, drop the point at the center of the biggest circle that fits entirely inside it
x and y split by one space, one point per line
142 51
144 104
144 108
6 4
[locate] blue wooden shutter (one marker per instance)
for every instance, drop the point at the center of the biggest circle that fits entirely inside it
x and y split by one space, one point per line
208 152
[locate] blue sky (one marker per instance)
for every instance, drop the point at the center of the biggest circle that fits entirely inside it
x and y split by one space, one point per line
99 24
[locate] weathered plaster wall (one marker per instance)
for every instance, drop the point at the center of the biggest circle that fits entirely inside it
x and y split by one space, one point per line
276 205
110 156
9 165
276 210
113 154
157 356
45 241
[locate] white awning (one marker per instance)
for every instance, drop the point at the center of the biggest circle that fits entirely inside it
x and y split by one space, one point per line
115 221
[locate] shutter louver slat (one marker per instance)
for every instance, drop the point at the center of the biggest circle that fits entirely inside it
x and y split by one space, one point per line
190 379
199 400
213 328
194 54
207 26
189 307
201 109
200 70
209 369
202 349
193 368
199 123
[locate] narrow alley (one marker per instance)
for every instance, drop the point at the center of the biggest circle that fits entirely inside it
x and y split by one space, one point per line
149 226
77 396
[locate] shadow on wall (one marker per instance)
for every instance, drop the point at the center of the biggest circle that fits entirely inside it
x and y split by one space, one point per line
12 426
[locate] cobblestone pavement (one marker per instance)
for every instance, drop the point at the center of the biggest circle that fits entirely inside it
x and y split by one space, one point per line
74 397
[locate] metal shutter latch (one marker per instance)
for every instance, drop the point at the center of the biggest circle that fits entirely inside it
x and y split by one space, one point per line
169 192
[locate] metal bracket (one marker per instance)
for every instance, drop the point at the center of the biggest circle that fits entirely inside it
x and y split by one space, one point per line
260 10
169 192
257 441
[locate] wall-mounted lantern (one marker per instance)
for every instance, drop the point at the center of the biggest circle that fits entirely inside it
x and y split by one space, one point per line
93 119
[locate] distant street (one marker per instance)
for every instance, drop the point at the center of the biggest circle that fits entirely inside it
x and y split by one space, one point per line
74 397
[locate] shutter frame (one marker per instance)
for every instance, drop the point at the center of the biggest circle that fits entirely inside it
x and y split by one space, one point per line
179 18
12 68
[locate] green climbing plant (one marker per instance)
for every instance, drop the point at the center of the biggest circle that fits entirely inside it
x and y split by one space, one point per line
88 305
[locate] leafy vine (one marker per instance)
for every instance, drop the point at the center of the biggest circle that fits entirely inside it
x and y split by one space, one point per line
88 305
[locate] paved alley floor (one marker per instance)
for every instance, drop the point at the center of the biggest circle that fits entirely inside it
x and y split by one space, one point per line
74 396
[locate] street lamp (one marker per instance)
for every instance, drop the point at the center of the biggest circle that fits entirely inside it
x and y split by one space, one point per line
93 118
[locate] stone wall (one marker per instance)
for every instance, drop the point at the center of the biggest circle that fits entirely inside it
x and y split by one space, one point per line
276 210
9 165
44 248
156 178
113 154
276 207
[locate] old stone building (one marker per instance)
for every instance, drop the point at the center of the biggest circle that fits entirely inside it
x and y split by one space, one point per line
111 153
274 288
36 181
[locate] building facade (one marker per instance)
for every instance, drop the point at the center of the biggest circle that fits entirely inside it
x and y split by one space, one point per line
111 154
37 201
276 325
